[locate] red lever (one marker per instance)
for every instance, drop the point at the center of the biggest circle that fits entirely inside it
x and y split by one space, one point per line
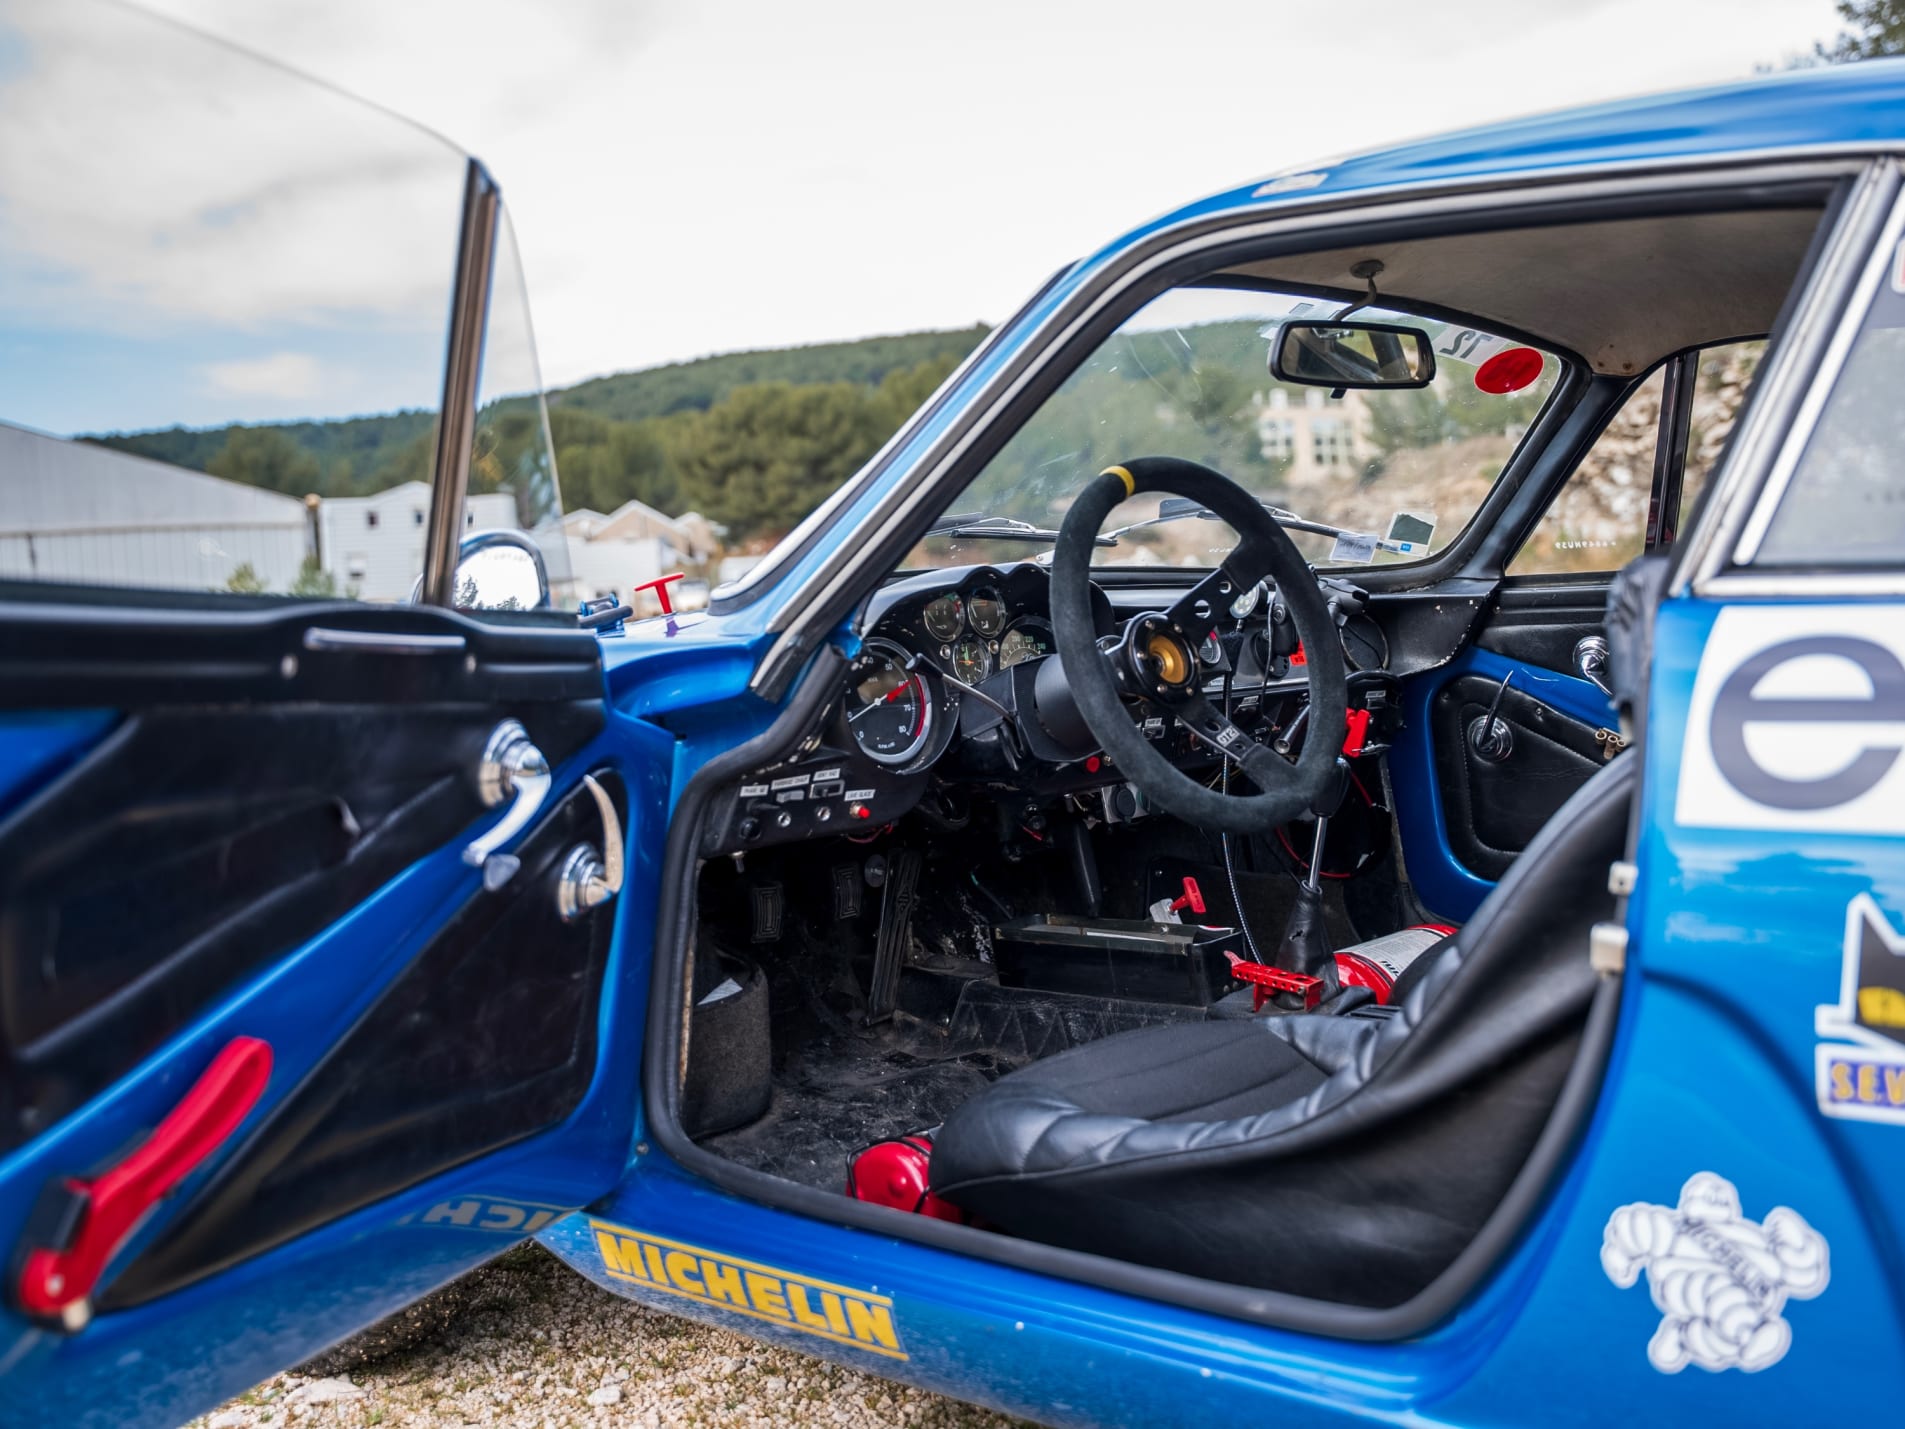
1193 898
1358 733
56 1282
660 586
1265 980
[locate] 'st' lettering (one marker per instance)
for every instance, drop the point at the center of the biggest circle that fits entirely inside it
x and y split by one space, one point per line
1736 706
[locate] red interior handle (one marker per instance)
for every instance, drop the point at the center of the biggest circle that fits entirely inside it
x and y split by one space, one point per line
56 1281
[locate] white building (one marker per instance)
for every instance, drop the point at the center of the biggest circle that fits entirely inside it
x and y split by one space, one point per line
73 511
1322 439
631 545
372 546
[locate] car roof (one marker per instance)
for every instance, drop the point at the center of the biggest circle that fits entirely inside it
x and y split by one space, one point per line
1832 108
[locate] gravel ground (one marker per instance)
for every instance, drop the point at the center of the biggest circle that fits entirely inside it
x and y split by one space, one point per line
526 1341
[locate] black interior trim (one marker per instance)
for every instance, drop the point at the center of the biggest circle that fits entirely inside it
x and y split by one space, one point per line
60 654
675 932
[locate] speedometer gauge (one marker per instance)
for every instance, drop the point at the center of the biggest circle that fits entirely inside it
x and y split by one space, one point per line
889 708
945 618
1026 640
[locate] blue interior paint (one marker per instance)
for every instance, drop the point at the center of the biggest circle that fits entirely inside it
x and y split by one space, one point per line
38 745
1442 882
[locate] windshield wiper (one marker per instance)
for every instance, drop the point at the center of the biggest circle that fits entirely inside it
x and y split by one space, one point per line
1179 508
974 526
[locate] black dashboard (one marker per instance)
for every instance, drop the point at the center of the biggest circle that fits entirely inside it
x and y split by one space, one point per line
940 705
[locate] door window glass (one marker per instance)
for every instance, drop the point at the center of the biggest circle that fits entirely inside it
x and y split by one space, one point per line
512 460
1719 394
222 317
1845 504
1599 521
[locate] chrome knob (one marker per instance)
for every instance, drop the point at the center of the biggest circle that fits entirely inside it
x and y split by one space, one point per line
588 878
1590 658
512 767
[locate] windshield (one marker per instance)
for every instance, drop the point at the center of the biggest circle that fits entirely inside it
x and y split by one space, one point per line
1400 472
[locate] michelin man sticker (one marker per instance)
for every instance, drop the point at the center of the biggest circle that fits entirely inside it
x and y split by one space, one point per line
1719 1280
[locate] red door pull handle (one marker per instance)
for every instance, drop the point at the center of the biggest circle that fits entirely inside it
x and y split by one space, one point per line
82 1224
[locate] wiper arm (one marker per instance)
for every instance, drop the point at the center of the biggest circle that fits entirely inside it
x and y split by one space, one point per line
1002 528
1179 508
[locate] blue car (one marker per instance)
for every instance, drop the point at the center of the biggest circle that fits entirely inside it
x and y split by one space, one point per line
1315 839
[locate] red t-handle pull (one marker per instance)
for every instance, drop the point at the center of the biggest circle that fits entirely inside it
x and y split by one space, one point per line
56 1282
1193 898
660 586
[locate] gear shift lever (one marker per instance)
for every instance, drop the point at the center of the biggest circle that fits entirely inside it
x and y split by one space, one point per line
1305 947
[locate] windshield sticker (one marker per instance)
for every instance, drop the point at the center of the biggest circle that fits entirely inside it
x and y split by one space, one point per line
1409 532
838 1313
1860 1067
1354 549
1719 1280
1797 722
1509 371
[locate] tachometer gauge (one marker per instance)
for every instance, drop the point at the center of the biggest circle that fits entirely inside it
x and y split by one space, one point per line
945 618
1241 607
1027 640
971 661
889 708
986 612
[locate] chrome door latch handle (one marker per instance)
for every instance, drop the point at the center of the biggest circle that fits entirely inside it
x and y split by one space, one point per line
589 879
1590 658
512 767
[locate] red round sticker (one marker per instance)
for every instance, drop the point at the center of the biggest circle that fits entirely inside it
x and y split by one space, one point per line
1509 371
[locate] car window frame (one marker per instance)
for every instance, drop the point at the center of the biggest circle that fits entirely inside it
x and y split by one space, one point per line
1806 353
897 496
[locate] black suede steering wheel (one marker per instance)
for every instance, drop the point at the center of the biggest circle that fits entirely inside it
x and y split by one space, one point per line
1156 659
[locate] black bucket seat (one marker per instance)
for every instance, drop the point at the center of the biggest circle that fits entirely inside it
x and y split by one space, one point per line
1347 1158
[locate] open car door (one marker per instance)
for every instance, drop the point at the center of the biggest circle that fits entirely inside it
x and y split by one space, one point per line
308 904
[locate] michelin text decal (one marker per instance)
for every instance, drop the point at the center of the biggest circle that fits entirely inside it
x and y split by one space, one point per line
1798 722
1860 1068
833 1312
1719 1280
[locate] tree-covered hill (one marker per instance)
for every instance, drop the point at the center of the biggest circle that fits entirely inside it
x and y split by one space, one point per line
697 385
752 439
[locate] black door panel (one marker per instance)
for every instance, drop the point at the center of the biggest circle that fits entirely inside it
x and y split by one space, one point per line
487 1037
270 770
1538 620
1492 810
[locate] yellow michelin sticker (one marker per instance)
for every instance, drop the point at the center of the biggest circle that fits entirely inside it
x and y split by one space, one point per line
818 1307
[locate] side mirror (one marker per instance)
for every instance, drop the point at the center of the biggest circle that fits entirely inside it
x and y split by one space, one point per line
1352 354
500 570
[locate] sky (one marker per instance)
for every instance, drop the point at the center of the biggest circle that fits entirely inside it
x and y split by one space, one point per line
697 176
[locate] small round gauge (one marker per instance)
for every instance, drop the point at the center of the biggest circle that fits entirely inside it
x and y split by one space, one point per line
889 708
971 661
1211 652
945 618
1027 640
986 612
1241 607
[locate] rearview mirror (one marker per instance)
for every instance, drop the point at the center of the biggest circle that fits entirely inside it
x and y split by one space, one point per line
1350 354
